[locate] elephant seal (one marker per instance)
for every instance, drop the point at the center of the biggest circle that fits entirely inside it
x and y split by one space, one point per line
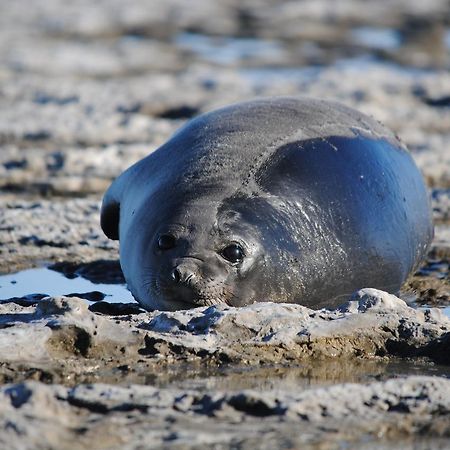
280 199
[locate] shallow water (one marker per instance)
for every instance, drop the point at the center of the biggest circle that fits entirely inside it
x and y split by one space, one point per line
299 377
377 38
447 38
296 377
49 282
411 300
445 310
229 50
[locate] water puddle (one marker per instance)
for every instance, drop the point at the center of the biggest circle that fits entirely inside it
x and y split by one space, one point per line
376 38
267 76
230 50
297 378
445 310
411 300
51 283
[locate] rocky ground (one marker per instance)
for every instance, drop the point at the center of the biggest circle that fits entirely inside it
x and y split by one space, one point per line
86 89
146 359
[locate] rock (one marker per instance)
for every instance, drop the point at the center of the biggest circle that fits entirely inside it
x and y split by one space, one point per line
373 299
60 329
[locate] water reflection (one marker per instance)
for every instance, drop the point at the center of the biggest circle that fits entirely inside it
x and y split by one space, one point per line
48 282
294 378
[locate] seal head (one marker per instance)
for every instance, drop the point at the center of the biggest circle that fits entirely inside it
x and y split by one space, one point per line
282 199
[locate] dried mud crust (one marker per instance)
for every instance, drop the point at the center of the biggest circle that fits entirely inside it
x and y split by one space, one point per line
61 340
113 417
76 149
40 231
430 285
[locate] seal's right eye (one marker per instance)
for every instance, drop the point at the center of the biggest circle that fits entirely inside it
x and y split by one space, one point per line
166 242
233 253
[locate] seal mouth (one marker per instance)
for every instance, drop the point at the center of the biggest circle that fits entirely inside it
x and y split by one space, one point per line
191 303
195 300
184 295
198 299
177 302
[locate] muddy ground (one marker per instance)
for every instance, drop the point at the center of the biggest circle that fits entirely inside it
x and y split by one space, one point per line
87 89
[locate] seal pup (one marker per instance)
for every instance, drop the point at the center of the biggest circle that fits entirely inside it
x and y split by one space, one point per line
280 199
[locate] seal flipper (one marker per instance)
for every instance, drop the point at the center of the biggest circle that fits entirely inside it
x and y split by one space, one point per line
110 212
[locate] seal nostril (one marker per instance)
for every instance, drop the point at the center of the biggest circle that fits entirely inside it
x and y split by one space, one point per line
176 275
182 275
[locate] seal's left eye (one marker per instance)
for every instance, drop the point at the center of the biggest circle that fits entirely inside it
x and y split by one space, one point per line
166 242
233 253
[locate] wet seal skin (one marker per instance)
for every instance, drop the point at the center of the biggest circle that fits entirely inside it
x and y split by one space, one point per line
280 199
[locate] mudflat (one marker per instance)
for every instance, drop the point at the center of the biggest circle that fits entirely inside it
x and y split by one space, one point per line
86 90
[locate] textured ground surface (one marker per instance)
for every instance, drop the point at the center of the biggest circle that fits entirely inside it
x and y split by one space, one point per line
88 88
59 340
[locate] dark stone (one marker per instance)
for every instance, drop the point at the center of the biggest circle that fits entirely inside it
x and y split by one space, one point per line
93 296
182 112
18 164
115 309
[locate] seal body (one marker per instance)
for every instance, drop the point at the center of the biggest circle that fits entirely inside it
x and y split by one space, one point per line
281 199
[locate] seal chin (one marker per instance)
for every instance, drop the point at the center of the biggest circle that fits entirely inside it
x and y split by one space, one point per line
186 296
176 303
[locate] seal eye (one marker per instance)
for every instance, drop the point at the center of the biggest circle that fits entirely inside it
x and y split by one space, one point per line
233 253
166 242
